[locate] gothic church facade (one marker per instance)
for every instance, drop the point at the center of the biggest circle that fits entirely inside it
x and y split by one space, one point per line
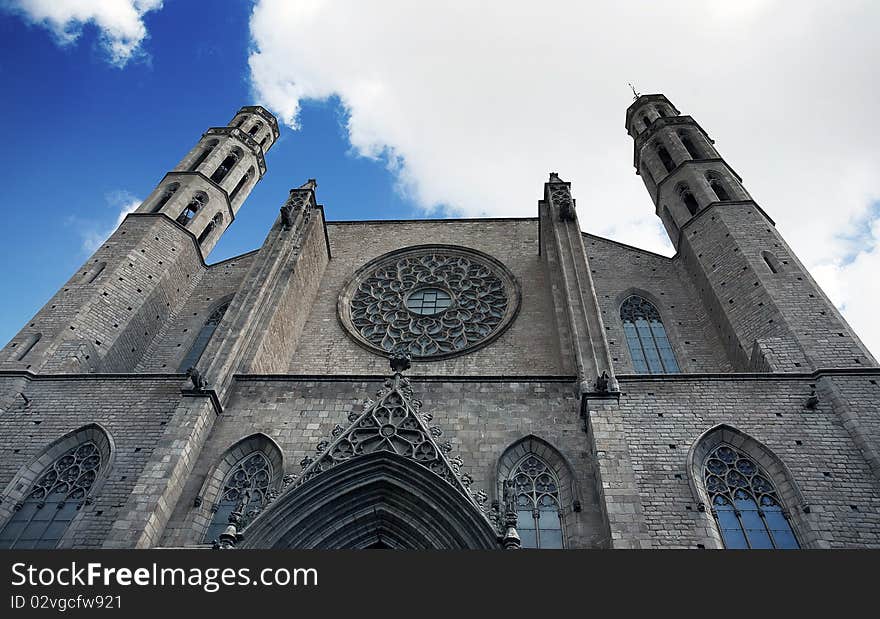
458 383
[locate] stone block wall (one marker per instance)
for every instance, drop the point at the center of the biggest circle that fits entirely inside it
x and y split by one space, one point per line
480 419
619 271
663 417
529 346
134 410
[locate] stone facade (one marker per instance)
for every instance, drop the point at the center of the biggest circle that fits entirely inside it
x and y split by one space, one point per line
535 414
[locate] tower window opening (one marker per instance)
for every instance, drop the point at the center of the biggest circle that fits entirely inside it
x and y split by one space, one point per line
209 148
660 111
93 273
240 122
264 140
206 232
665 158
646 121
255 128
227 165
241 183
718 187
772 262
198 201
166 196
689 146
27 346
687 197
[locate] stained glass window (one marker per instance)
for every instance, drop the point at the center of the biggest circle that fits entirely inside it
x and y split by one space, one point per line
201 342
539 519
245 488
646 337
746 505
51 504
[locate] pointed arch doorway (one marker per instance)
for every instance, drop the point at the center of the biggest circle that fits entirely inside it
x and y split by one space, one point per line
381 500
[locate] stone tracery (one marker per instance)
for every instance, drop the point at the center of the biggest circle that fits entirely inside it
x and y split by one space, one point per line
429 302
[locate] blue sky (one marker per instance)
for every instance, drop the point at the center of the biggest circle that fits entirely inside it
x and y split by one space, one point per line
90 135
473 102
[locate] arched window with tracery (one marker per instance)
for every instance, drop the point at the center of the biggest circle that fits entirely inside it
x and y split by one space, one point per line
43 516
201 342
539 516
745 503
646 337
245 488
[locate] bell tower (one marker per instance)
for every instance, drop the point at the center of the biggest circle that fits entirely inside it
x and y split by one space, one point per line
770 312
104 318
206 189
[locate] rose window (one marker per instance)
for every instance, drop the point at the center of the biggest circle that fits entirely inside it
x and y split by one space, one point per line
431 301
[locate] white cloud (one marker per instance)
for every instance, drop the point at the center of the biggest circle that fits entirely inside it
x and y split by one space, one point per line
120 22
475 102
95 233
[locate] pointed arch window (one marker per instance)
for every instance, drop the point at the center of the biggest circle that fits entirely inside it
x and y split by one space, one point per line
245 488
688 199
226 165
201 342
166 196
209 148
689 145
539 517
198 201
747 507
718 187
241 183
646 337
255 128
42 518
665 158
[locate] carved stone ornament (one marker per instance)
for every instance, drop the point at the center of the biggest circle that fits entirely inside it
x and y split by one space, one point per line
392 423
429 301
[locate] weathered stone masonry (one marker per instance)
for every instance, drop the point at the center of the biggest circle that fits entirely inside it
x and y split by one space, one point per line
766 365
